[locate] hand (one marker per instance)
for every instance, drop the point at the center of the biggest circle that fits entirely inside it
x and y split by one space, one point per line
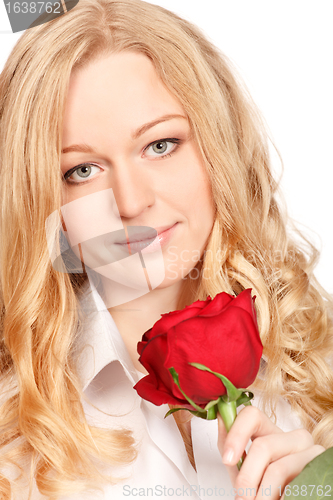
274 459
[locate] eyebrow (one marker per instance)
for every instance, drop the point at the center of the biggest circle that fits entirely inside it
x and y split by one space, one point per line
84 148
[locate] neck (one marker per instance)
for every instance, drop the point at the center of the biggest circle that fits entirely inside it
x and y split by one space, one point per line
137 316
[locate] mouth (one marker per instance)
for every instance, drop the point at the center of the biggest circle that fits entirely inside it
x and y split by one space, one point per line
136 234
144 237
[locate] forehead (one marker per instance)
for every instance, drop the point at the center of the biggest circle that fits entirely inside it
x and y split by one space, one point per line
122 88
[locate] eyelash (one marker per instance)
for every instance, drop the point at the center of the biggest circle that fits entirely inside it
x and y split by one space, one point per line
173 140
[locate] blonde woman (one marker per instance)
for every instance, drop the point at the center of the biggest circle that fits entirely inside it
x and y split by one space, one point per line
122 104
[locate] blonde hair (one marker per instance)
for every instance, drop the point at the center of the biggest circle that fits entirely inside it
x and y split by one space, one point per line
42 417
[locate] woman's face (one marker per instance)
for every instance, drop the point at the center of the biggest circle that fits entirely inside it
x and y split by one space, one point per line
135 141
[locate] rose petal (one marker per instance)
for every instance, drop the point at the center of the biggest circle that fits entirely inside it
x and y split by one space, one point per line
147 390
173 318
200 386
216 306
228 344
245 301
221 334
140 347
152 358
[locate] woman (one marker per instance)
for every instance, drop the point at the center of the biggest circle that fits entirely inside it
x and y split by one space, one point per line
175 146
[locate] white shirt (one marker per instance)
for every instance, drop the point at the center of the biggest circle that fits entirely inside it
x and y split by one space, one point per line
162 468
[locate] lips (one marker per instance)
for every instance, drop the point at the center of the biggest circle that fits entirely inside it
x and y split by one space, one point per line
142 234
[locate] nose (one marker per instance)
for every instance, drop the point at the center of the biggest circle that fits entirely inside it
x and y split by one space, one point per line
132 189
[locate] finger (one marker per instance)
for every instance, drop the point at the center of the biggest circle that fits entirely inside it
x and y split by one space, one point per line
250 423
280 473
268 449
232 470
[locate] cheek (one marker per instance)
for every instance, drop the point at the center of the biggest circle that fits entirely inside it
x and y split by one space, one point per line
72 192
196 204
69 195
195 195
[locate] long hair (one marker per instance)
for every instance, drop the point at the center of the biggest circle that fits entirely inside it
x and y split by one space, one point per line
42 419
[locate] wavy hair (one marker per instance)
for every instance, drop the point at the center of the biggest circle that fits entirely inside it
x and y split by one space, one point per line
42 420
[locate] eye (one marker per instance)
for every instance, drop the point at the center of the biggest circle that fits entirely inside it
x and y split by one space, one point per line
81 173
162 148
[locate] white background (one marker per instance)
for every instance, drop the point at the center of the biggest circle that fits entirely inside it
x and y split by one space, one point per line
283 50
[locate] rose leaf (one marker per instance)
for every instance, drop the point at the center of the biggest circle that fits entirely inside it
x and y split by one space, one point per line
316 479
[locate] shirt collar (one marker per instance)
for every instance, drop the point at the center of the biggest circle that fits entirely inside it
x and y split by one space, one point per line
98 340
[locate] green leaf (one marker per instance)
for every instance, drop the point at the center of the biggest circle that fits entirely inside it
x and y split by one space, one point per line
227 410
212 413
315 480
232 391
172 410
175 377
196 413
200 414
248 403
245 399
211 404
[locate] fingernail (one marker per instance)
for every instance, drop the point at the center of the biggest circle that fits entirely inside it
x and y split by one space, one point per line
228 455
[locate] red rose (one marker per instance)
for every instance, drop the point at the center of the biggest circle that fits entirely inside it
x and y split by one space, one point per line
221 334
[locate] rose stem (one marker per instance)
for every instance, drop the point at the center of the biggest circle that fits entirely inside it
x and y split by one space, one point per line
228 413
